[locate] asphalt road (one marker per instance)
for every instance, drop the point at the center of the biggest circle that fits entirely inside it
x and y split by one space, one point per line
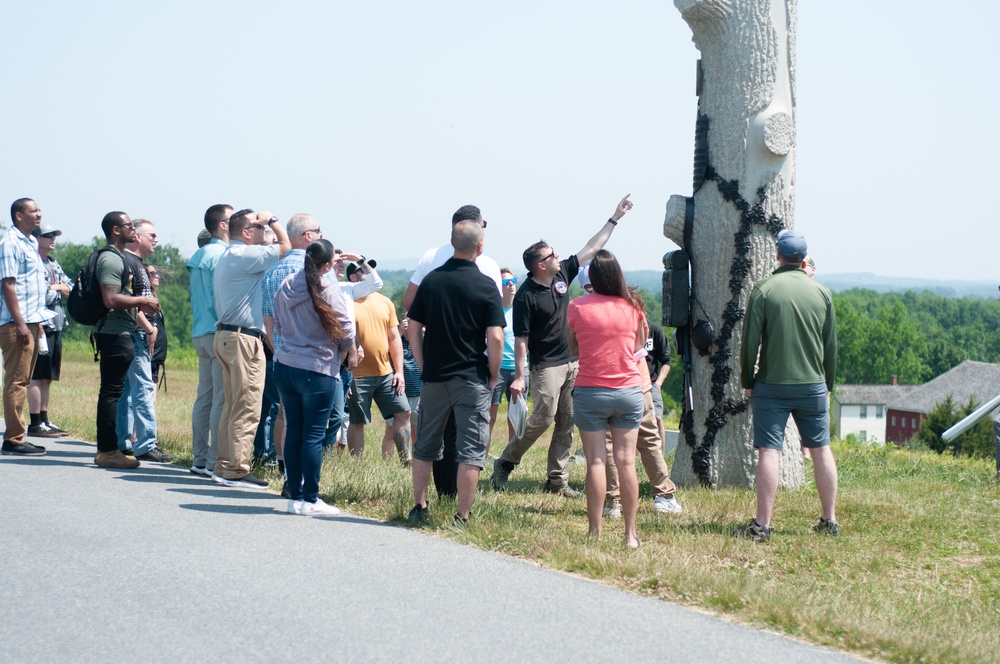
158 565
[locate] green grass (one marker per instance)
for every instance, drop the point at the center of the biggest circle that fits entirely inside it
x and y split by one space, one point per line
914 575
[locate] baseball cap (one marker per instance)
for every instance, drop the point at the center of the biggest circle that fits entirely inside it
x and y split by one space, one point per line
48 230
583 276
792 246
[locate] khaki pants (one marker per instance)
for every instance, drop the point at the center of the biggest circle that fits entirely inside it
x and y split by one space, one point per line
18 365
552 398
650 449
243 373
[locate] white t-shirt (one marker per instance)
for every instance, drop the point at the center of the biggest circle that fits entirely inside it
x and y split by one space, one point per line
435 258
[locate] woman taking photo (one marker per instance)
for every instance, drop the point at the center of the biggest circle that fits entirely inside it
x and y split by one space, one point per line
606 328
310 316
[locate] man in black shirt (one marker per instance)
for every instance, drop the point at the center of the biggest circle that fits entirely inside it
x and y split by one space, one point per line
540 333
658 360
459 359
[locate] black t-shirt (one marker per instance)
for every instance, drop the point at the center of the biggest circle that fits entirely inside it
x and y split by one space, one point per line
456 303
540 315
657 350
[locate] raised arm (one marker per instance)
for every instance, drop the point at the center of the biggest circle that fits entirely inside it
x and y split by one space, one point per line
597 242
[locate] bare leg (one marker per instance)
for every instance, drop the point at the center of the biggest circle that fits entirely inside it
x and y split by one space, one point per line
421 478
596 452
623 442
825 472
768 465
35 397
401 436
387 438
356 439
468 480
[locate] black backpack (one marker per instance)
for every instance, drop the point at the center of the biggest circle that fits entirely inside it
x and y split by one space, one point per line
85 304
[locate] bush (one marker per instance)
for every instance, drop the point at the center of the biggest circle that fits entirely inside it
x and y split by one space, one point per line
975 442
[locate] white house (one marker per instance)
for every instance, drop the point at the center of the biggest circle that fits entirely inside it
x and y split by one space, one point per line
862 410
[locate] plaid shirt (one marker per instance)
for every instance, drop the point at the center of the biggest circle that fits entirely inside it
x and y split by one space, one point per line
19 260
294 261
54 299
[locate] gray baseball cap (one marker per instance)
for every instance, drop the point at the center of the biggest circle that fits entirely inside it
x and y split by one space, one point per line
48 230
792 246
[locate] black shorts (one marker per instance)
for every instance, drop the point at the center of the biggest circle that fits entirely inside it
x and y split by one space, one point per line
47 366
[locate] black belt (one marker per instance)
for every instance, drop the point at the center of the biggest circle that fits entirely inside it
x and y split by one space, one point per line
243 330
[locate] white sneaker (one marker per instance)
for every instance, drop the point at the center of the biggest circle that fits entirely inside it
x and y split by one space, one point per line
667 505
612 509
319 508
204 472
295 507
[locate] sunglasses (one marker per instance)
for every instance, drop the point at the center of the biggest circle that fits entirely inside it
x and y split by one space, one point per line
255 225
311 230
508 282
153 273
548 257
126 225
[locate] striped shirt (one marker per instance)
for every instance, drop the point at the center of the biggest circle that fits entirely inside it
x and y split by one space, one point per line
19 260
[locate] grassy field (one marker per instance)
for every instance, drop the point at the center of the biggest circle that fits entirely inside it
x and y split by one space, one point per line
913 577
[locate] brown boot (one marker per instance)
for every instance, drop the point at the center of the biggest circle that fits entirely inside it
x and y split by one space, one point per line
115 460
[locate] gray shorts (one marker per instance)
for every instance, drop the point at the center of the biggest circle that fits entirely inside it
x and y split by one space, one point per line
657 400
414 407
470 401
379 389
597 408
502 387
807 404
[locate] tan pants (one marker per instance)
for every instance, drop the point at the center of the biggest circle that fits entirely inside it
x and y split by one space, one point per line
650 449
552 399
18 365
243 371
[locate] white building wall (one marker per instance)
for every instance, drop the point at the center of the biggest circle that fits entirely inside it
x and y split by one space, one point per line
870 428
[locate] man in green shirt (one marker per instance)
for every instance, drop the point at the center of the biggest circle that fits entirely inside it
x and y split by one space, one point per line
788 358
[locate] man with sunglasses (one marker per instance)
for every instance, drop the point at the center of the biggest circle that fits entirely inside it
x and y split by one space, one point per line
114 334
136 412
239 340
508 289
540 329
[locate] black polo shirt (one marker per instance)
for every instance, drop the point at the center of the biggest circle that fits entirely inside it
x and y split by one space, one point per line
540 315
657 350
456 303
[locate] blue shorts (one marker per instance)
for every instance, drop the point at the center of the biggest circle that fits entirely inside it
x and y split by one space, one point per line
596 408
808 406
502 387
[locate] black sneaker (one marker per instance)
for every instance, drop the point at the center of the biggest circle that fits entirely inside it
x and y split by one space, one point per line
21 449
42 431
156 455
418 516
285 493
459 524
501 471
61 432
561 490
827 527
753 531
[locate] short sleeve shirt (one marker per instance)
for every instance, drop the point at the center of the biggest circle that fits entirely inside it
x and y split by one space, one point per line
19 260
237 283
540 315
201 267
456 303
110 268
605 328
375 315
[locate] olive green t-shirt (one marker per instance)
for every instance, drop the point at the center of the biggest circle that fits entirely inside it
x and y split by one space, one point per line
110 266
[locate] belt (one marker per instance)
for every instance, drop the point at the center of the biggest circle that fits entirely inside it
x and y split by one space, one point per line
243 330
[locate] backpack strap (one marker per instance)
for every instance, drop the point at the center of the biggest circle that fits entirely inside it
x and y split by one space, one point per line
127 274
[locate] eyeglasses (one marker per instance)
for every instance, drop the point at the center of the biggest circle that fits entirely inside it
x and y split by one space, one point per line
509 282
153 273
255 225
151 236
127 224
548 257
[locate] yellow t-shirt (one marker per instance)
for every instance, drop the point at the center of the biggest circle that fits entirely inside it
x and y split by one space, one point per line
375 316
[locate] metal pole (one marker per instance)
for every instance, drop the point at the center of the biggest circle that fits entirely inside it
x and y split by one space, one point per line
970 419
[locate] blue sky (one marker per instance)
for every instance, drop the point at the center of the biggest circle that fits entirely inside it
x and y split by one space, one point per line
381 118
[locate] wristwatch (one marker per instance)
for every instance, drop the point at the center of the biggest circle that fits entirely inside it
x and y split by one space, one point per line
272 220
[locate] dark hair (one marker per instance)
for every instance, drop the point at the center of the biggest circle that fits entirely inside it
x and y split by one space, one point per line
239 221
320 252
21 205
110 221
466 213
607 279
532 254
215 215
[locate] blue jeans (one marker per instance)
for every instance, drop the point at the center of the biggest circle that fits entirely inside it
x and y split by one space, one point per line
337 414
308 399
135 407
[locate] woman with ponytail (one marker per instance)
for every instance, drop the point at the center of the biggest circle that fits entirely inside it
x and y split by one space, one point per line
310 314
606 329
